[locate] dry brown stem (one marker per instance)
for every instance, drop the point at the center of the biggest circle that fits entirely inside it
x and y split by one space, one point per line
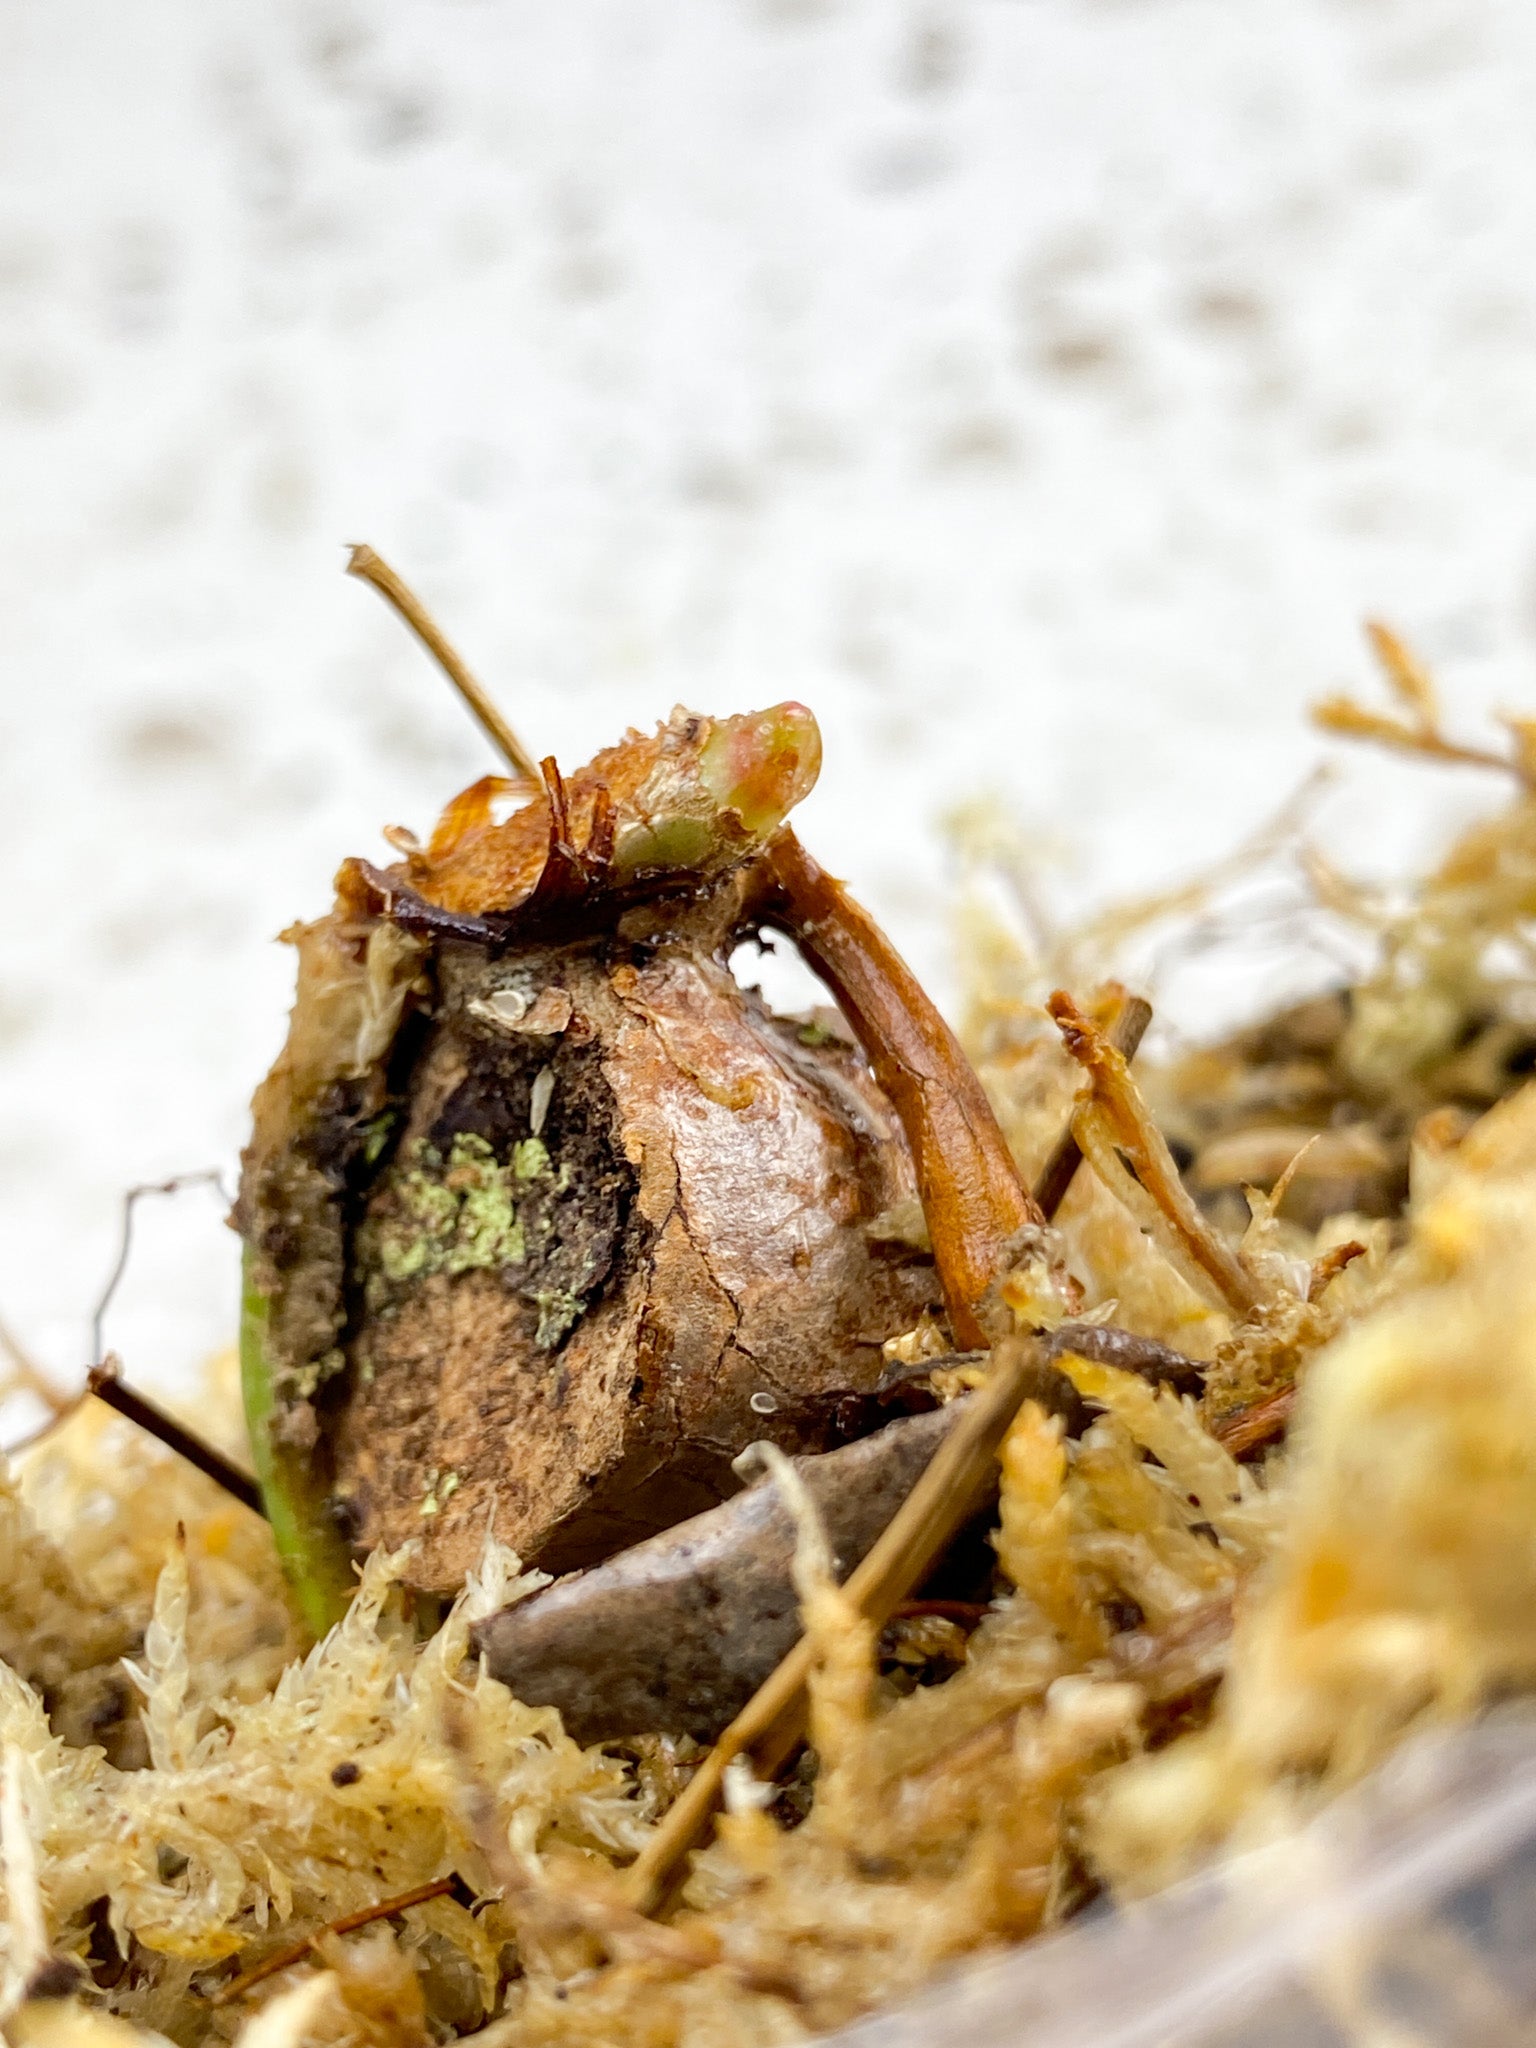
348 1923
773 1720
1118 1101
373 569
1249 1429
104 1383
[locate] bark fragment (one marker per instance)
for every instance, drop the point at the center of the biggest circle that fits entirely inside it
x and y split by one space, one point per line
674 1635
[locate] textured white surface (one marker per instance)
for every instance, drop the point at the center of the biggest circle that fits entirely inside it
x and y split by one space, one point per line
1041 389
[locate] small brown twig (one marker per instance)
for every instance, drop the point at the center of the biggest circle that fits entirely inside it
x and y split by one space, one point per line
567 1909
203 1177
348 1923
1249 1429
372 568
1116 1096
1326 1270
103 1382
1060 1169
773 1720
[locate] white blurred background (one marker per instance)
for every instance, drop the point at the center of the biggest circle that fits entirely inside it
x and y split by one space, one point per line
1041 389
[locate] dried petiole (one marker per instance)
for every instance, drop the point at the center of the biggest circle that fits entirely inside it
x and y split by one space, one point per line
202 1177
348 1923
1060 1169
979 1212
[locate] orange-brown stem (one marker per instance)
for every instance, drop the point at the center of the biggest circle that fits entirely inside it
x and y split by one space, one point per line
349 1923
975 1202
1332 1263
1249 1429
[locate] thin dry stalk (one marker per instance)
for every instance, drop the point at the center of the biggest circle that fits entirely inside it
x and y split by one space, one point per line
26 1372
372 568
1056 1176
285 1958
1249 1429
1118 1101
103 1382
773 1720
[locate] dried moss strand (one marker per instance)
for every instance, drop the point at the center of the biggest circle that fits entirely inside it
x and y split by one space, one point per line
1056 1176
104 1383
1420 731
773 1720
373 569
26 1372
566 1909
1351 721
1116 1097
285 1958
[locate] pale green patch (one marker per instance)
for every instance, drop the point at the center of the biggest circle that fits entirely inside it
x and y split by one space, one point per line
677 842
375 1135
437 1488
559 1311
453 1216
463 1214
302 1381
530 1159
